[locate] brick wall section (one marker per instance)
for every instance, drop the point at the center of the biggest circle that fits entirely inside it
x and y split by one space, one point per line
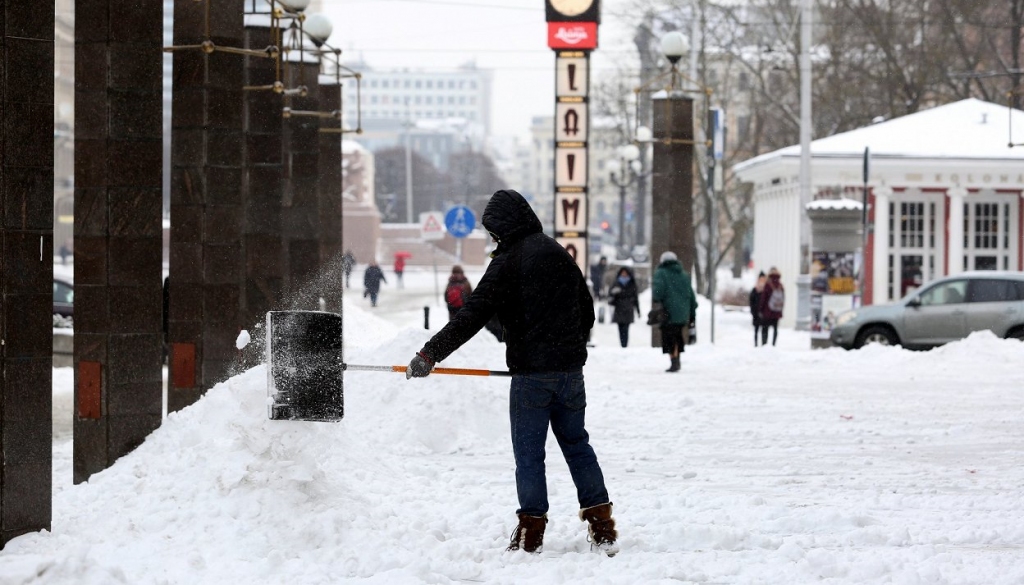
26 265
207 146
118 239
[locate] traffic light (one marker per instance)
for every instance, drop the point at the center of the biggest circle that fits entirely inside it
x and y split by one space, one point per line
606 226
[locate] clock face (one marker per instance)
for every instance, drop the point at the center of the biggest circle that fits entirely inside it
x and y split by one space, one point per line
571 7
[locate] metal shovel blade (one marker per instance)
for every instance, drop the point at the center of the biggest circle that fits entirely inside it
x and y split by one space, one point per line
305 366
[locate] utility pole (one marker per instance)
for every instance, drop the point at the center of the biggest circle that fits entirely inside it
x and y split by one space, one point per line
408 164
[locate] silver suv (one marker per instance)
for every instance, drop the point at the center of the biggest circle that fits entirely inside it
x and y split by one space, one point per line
944 310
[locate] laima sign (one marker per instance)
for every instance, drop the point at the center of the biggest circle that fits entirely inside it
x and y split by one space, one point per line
572 35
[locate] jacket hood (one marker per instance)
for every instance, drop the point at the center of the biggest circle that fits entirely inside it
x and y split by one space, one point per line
672 265
509 218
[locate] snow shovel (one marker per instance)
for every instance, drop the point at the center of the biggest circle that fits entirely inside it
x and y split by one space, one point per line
451 371
305 366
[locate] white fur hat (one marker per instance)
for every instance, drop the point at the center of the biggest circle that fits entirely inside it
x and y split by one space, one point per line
666 256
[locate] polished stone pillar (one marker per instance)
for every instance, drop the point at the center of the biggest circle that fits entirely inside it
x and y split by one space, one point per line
26 266
301 224
207 144
331 278
263 280
672 184
672 179
118 232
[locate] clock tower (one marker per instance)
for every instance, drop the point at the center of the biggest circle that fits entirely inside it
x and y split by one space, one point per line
572 33
573 10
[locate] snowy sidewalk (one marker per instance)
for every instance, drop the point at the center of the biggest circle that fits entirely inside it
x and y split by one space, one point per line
775 465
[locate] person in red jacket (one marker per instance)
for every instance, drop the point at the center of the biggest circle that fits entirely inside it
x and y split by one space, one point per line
399 268
773 300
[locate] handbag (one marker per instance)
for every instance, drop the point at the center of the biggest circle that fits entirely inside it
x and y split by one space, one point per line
657 314
691 334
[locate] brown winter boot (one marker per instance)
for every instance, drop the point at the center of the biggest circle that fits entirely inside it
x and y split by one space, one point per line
529 535
601 529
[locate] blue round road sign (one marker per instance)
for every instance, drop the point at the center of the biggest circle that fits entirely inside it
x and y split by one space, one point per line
460 221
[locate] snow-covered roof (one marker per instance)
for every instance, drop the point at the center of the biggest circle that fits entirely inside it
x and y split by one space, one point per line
834 204
968 129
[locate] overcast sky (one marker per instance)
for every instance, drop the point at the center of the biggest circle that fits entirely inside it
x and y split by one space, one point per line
507 36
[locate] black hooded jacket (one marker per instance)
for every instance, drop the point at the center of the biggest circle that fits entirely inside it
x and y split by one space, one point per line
536 289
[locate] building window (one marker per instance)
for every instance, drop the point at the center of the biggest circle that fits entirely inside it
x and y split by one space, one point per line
418 100
472 85
373 99
429 100
419 84
911 225
462 100
744 82
406 84
430 84
451 84
384 83
451 99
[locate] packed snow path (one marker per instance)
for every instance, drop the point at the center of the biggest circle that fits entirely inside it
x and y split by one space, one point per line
770 465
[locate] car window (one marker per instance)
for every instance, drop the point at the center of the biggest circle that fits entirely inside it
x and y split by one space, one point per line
63 293
991 290
946 293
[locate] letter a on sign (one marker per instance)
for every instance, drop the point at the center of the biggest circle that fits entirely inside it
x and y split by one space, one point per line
571 124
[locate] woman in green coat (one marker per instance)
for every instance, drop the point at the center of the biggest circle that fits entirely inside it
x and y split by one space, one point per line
671 288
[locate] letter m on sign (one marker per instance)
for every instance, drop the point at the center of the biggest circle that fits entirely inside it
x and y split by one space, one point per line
570 212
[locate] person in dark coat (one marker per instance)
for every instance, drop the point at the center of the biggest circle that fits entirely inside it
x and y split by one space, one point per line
755 304
348 262
671 287
772 301
623 298
457 291
545 307
372 278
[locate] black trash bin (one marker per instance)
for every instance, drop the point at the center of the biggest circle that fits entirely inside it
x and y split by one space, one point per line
305 366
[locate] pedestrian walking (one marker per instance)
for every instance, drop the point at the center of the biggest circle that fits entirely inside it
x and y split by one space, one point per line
597 276
399 268
372 278
755 304
772 302
671 287
457 291
623 298
348 262
542 300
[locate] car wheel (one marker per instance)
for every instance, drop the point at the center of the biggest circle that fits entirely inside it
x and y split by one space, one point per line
877 334
1017 334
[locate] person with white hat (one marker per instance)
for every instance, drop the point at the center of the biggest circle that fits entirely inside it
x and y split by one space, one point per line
671 287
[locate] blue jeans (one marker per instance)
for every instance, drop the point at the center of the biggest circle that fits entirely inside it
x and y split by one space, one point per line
558 399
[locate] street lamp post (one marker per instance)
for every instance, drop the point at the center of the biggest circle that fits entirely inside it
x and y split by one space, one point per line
622 173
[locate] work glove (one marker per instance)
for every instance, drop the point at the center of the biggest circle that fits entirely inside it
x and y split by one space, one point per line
420 366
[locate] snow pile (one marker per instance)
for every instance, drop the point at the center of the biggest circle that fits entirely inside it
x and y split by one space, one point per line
775 465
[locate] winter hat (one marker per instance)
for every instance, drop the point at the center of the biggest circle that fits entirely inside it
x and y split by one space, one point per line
666 256
456 269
